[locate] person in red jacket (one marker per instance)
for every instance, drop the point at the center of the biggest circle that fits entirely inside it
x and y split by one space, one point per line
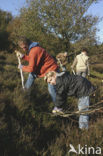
39 63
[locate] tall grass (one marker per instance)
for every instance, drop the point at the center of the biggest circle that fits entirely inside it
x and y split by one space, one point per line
26 126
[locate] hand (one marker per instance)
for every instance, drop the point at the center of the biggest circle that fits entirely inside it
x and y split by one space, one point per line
65 54
94 95
20 66
19 54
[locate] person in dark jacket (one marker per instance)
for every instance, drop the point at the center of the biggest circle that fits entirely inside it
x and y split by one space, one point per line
71 85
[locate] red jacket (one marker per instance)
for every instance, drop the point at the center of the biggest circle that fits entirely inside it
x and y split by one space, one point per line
40 62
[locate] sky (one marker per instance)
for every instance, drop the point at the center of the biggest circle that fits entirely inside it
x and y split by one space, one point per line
13 6
97 10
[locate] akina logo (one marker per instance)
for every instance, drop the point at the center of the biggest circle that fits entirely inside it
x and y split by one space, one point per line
85 150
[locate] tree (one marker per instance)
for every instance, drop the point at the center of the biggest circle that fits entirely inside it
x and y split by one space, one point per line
29 24
66 19
5 18
58 24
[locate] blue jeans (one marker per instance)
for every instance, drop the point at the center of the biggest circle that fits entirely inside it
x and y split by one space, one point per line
51 88
83 104
30 80
52 92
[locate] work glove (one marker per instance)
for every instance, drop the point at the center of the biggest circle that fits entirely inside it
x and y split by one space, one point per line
19 54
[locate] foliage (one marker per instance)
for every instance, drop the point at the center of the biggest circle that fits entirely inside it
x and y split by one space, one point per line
67 19
65 27
5 19
30 26
26 126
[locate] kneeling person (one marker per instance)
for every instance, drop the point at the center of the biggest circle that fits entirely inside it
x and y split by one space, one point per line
71 85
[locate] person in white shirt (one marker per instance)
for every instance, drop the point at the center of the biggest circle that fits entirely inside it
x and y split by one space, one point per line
81 62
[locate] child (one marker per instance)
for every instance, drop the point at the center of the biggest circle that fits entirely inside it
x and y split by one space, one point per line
62 60
71 85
